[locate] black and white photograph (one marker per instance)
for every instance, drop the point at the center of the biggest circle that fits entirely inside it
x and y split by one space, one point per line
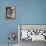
11 12
29 34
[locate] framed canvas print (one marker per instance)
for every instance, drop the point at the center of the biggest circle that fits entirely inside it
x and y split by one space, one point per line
11 12
32 32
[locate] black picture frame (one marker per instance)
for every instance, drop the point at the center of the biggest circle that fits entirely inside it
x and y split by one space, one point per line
11 12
